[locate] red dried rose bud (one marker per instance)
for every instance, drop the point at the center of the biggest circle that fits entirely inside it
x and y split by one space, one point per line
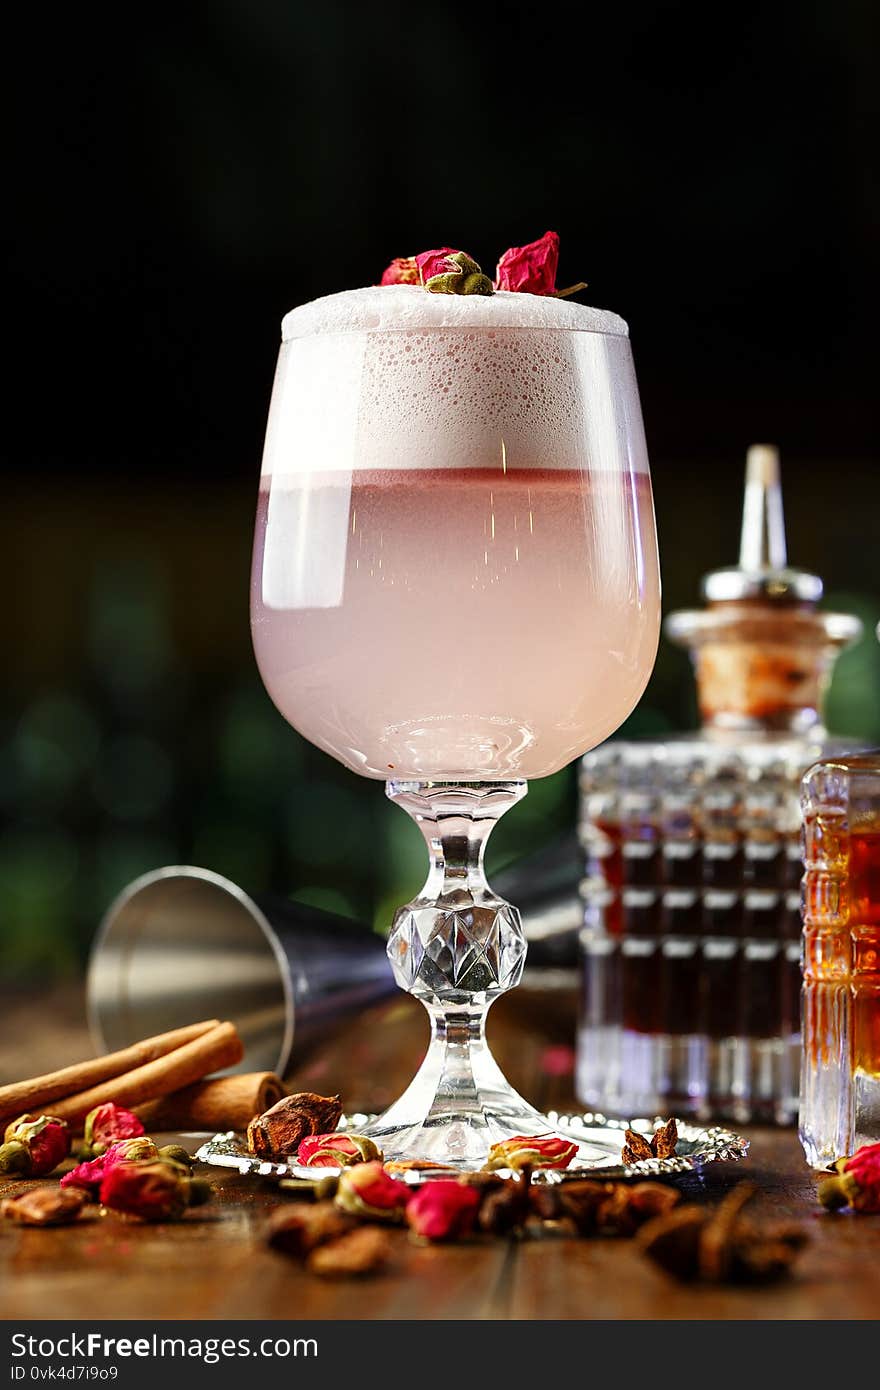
443 1210
336 1150
106 1125
446 271
367 1190
153 1191
530 1151
857 1184
90 1175
531 269
402 271
35 1144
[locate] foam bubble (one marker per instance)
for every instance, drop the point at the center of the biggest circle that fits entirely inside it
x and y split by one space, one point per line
384 308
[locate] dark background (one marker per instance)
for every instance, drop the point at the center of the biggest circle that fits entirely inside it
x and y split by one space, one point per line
179 182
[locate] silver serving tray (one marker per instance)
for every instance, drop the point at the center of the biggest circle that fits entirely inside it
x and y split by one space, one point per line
697 1146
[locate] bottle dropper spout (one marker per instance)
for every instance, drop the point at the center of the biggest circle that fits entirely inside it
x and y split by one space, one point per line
762 541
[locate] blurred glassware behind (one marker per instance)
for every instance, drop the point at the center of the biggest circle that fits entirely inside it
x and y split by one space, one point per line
691 946
840 1067
182 944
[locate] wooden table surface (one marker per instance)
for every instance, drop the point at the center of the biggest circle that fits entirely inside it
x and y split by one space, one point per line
212 1265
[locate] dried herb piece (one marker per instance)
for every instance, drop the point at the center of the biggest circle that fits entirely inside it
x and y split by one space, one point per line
280 1130
44 1206
360 1252
298 1230
662 1144
722 1246
506 1208
603 1208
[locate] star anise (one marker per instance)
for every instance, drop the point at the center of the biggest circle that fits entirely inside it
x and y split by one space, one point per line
662 1144
722 1246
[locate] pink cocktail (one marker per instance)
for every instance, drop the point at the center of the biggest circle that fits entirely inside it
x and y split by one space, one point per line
455 589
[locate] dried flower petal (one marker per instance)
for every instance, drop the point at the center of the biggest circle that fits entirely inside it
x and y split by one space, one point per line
443 1210
367 1190
280 1130
336 1151
534 1151
108 1124
44 1206
403 270
360 1252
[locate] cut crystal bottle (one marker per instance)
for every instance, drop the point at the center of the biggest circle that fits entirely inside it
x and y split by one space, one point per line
691 945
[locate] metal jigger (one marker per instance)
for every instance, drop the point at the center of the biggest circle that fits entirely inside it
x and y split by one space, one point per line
182 943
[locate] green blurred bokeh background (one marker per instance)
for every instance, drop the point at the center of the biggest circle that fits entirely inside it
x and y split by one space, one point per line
175 195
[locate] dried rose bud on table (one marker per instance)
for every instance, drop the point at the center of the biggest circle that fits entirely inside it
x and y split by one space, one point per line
367 1190
107 1125
34 1145
44 1206
336 1151
91 1174
278 1132
443 1210
152 1191
857 1184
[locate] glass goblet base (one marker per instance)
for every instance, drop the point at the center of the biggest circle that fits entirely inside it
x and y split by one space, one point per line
457 947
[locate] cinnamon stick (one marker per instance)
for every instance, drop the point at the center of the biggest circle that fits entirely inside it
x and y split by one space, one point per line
219 1048
218 1103
32 1095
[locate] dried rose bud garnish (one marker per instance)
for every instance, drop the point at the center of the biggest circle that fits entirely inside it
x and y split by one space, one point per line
336 1151
34 1145
108 1124
44 1206
443 1210
153 1191
446 271
532 1151
857 1184
531 269
279 1131
403 270
367 1190
91 1174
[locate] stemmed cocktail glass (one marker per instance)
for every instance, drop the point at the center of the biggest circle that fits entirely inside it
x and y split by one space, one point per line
455 589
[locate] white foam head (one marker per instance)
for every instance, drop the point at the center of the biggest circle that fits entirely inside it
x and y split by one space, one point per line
384 308
366 381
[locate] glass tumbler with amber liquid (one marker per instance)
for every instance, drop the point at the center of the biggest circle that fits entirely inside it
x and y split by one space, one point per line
840 1072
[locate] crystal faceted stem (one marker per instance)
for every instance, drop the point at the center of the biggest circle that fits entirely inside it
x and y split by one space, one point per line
456 947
